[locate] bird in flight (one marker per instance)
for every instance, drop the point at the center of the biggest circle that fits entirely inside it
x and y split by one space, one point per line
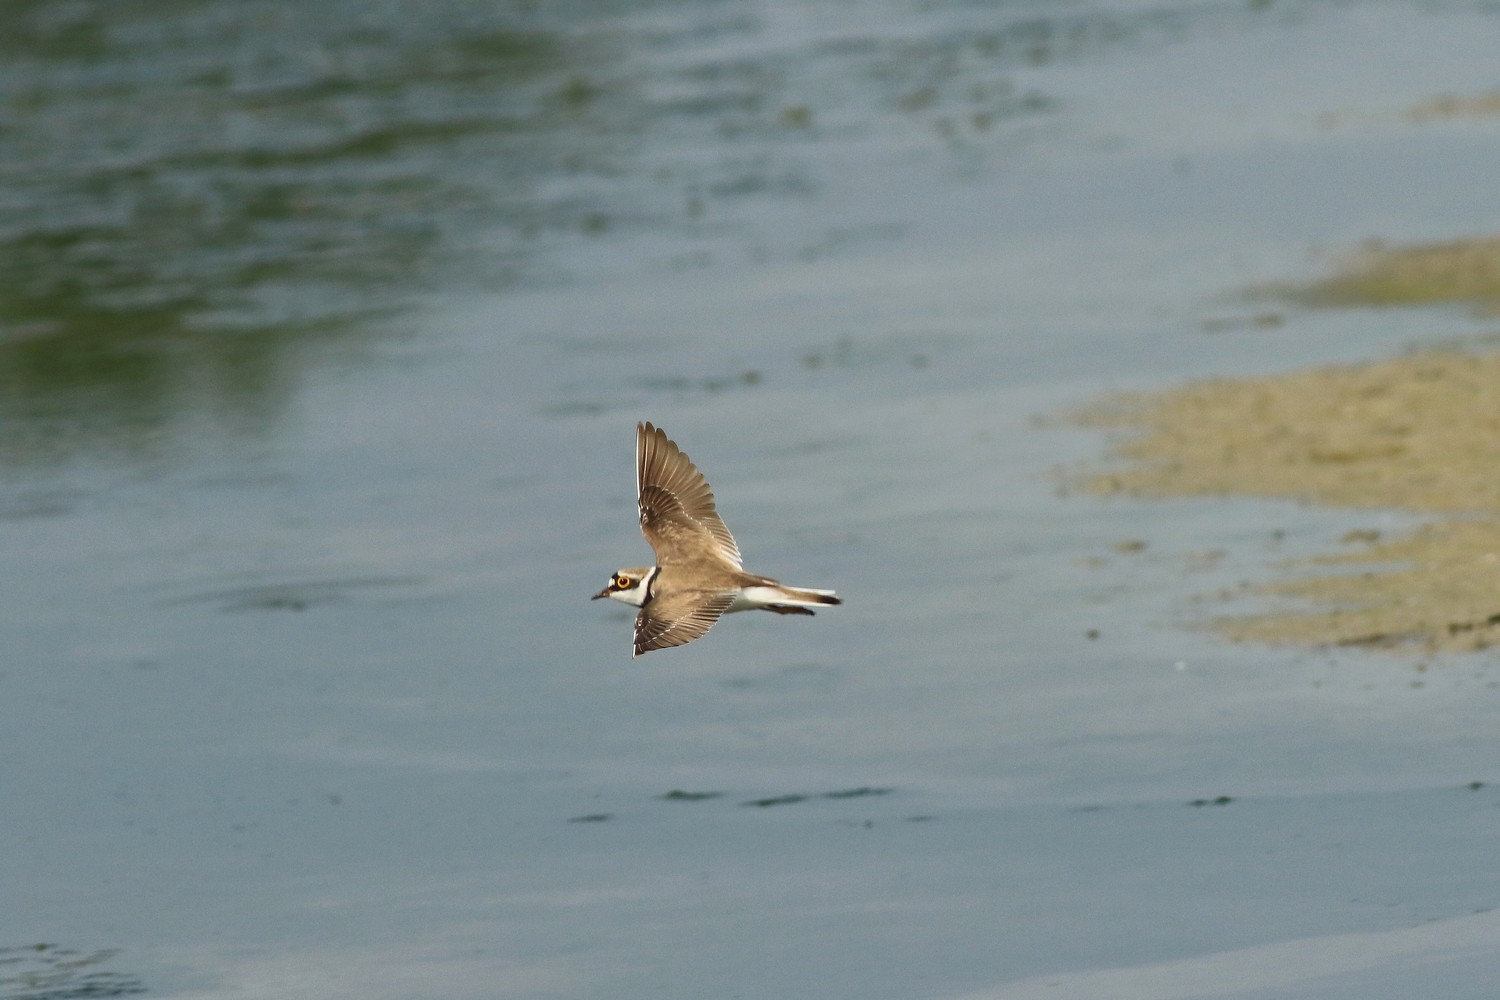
697 576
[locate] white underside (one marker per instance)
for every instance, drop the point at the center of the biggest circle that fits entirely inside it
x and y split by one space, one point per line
759 597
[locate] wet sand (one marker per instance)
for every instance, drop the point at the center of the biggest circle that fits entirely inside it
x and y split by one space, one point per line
1419 433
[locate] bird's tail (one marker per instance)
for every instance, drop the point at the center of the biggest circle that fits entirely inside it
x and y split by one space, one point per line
783 599
804 595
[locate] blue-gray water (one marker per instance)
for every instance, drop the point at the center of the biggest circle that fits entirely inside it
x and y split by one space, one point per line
323 332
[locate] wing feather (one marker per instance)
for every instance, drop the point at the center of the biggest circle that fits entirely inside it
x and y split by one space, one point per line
677 619
678 516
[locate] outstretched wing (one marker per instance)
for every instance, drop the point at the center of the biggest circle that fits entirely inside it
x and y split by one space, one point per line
678 618
678 516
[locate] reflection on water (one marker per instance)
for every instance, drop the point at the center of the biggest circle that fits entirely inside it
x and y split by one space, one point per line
190 192
51 972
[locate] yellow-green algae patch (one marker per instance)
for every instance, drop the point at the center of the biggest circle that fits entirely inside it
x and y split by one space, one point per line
1418 433
1447 106
1461 270
1442 107
1443 596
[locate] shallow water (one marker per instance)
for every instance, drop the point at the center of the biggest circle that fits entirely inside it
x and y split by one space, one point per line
322 334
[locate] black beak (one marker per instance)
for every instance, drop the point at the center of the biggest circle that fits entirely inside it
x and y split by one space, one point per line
602 593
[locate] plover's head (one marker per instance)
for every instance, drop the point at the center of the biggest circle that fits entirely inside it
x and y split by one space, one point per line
629 585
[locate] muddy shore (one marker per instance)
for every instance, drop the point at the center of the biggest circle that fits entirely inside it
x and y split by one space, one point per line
1419 433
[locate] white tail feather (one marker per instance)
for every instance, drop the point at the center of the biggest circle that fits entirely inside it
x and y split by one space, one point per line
797 597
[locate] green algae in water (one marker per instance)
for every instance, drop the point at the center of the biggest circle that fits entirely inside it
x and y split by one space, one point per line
1462 270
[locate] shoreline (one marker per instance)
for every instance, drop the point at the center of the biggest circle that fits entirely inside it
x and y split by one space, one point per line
1418 433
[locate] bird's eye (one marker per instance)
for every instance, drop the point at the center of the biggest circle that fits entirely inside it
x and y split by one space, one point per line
622 582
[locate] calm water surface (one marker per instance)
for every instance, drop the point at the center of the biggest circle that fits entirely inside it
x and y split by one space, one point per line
323 331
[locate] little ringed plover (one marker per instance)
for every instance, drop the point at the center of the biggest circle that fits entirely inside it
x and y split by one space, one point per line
697 576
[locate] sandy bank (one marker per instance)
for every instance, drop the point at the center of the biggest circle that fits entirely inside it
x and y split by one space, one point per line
1418 433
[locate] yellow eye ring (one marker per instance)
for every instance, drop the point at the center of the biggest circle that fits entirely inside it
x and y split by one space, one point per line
622 582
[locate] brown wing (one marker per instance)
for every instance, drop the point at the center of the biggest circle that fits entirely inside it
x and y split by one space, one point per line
678 516
680 618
